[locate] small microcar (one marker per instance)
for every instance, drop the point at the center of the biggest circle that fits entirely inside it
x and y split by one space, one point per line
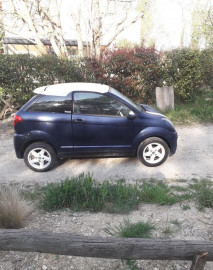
75 120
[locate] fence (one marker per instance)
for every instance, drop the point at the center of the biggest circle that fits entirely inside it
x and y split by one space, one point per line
112 248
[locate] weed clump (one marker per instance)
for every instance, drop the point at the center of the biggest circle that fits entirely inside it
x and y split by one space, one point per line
203 193
12 209
131 230
83 193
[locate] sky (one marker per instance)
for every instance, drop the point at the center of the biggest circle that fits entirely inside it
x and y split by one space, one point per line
168 19
169 22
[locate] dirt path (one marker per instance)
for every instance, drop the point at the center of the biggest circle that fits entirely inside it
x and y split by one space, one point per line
193 159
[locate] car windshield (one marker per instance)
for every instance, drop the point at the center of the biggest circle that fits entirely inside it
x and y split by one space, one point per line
117 93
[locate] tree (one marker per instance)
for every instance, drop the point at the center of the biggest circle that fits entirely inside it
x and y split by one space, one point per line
147 24
41 18
202 25
101 22
94 21
1 29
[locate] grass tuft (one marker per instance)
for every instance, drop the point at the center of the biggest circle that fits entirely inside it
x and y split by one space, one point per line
203 193
137 230
168 231
12 209
131 230
186 207
176 223
157 193
83 193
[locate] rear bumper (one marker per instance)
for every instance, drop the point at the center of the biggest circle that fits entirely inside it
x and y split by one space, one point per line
19 141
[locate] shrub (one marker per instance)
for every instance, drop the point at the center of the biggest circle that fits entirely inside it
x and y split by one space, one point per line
133 71
21 74
12 209
182 69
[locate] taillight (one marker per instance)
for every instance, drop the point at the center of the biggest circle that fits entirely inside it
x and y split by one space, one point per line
17 119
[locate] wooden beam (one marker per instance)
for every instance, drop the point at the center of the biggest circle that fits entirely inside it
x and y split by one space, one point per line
114 248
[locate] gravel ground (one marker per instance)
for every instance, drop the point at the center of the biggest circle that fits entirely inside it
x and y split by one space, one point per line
194 159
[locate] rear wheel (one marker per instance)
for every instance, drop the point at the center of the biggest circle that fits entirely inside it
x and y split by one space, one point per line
153 152
40 157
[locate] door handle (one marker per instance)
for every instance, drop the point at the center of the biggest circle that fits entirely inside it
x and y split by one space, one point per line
78 120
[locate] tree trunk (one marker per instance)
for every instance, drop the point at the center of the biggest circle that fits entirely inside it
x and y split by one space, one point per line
27 18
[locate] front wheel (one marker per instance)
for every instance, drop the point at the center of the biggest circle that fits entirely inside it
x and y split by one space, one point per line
40 157
153 152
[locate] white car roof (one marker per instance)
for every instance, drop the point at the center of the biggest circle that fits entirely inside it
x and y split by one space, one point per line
64 89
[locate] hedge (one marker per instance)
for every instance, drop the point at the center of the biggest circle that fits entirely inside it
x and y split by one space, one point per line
182 69
20 74
134 71
207 67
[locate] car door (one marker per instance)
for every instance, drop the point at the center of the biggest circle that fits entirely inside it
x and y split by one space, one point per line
100 124
49 119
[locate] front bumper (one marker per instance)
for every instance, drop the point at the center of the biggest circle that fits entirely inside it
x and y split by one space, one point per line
172 138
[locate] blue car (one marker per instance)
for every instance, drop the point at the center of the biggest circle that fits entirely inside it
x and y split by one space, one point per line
89 120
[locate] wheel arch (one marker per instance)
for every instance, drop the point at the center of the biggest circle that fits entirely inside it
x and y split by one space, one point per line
159 137
28 143
151 132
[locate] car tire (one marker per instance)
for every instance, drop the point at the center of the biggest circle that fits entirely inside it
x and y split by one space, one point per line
153 151
40 157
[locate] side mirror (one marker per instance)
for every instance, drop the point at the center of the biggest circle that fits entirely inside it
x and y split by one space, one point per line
131 115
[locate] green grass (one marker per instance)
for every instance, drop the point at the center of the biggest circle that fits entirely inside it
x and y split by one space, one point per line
200 109
186 207
83 193
176 223
203 193
179 188
131 230
168 231
137 230
158 193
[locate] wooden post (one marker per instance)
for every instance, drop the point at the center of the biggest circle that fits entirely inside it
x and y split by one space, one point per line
199 260
165 98
112 248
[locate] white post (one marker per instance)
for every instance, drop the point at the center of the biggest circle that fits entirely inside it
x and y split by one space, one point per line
165 98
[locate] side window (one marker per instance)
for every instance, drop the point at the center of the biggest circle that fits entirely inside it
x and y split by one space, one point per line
98 104
54 104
